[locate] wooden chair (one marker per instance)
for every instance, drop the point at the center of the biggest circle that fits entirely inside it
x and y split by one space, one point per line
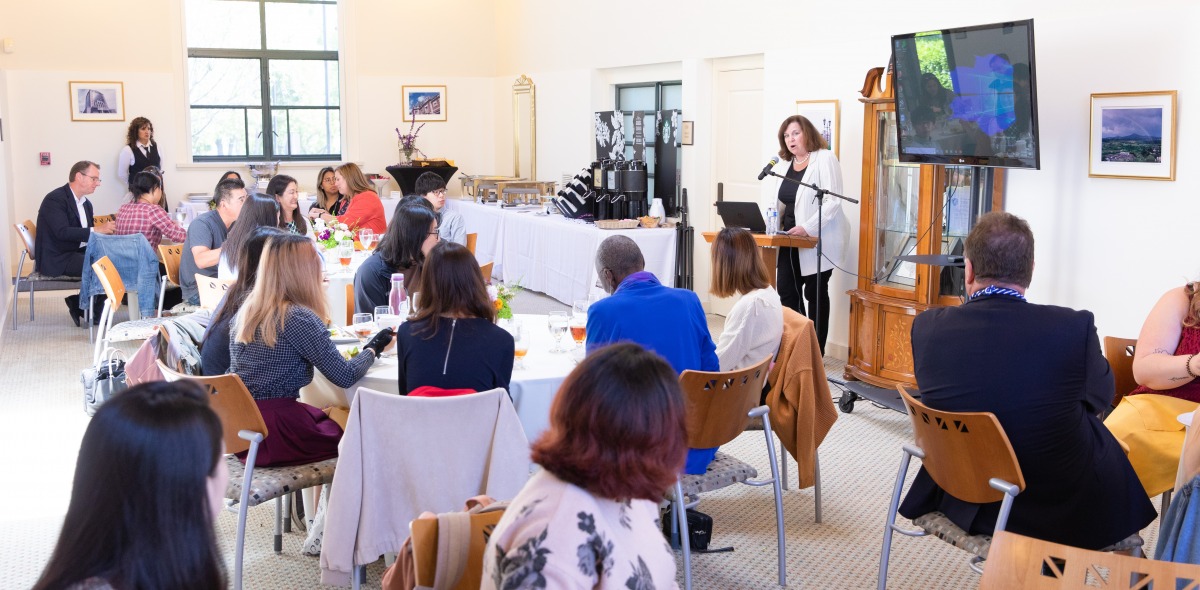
211 290
27 231
243 431
1017 561
471 239
1119 352
719 407
98 219
349 303
170 255
486 271
469 574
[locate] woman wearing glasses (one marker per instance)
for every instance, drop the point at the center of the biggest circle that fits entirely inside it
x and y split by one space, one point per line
410 236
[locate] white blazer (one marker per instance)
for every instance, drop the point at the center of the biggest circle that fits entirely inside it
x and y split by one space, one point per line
825 172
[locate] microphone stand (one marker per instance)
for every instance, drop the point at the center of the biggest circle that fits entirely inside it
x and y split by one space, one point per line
820 210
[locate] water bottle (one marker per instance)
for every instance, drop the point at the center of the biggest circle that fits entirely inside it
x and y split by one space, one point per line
772 221
398 298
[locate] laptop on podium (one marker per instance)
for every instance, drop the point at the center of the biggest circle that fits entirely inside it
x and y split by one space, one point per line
742 214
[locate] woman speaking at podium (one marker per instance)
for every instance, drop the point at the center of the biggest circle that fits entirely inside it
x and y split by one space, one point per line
805 157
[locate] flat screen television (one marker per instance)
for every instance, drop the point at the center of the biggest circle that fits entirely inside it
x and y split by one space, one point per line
967 96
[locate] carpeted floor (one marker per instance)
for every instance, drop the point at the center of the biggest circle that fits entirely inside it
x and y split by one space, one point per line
44 423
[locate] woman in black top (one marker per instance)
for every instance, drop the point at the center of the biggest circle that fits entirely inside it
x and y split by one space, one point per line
409 237
214 346
453 341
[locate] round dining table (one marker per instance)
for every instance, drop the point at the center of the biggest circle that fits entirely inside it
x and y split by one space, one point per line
532 388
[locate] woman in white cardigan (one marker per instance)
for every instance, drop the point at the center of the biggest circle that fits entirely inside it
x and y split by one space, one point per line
806 157
755 324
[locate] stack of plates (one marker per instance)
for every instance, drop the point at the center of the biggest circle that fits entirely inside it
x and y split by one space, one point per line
199 197
396 194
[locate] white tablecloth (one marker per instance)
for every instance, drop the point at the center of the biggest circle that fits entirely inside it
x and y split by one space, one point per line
338 278
552 254
532 388
389 206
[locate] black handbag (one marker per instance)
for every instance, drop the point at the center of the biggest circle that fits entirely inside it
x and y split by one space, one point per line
103 381
699 527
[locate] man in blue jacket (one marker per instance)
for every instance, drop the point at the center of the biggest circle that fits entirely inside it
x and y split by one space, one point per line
641 310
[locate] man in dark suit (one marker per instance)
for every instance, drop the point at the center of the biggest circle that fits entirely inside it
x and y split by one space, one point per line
1040 370
64 223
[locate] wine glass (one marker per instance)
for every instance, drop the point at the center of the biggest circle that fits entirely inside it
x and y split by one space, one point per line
345 253
520 344
578 323
366 237
384 318
362 323
557 322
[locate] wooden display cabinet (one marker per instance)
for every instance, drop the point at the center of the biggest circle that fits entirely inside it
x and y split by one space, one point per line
907 209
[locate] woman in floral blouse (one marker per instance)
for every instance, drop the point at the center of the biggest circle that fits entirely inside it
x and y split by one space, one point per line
589 518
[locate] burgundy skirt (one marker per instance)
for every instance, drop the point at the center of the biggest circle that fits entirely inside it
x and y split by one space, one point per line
297 433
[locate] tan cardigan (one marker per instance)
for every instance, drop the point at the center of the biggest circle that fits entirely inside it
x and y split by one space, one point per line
802 410
403 455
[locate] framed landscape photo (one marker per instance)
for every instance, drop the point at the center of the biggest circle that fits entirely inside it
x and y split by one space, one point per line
97 101
426 103
825 116
1132 135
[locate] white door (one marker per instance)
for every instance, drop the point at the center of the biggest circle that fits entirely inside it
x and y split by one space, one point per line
738 137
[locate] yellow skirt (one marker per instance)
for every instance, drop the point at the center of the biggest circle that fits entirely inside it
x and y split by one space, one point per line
1148 427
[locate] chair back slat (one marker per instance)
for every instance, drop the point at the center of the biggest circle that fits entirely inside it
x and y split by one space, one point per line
1016 561
99 219
171 255
231 401
471 239
211 290
1119 352
963 450
110 280
28 231
349 303
486 271
718 403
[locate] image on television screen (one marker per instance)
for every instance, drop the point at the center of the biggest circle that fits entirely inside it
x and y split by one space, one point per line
967 96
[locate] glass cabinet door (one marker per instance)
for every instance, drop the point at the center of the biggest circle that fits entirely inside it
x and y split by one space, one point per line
897 199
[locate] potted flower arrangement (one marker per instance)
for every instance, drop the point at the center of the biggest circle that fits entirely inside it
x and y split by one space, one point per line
502 296
407 142
329 235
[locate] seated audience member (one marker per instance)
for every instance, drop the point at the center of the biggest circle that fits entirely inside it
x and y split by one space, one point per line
160 437
144 214
64 223
412 233
327 198
232 175
754 326
1039 369
453 341
364 209
278 336
257 211
214 345
206 235
286 192
432 187
589 517
665 320
1165 367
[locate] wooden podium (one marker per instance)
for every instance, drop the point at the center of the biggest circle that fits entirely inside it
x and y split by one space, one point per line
769 246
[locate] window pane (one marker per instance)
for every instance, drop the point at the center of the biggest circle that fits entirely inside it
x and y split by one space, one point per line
311 27
220 82
307 132
636 98
223 24
672 96
223 132
304 83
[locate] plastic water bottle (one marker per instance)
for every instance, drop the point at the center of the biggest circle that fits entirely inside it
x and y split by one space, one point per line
398 298
772 221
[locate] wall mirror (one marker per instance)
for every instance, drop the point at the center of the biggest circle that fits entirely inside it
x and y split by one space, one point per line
524 128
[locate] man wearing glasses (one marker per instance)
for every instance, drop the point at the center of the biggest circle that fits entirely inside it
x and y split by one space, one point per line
202 248
64 223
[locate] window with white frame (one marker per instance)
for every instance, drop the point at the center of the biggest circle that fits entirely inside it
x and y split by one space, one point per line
263 79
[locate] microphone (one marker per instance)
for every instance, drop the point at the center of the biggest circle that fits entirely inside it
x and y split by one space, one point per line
767 169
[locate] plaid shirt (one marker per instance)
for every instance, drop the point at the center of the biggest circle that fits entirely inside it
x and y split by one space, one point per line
150 220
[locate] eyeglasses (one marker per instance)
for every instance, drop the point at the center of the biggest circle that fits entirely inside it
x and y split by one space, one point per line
434 232
440 192
94 178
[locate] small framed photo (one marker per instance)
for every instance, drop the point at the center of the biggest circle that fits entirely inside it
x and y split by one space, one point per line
825 115
685 133
97 101
425 103
1132 135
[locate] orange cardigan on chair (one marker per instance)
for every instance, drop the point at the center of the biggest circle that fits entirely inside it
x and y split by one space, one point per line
802 409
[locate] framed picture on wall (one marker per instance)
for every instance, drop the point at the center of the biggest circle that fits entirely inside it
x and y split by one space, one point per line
825 116
1132 135
426 103
97 101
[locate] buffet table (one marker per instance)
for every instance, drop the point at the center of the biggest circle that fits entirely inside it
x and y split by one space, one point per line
532 388
551 254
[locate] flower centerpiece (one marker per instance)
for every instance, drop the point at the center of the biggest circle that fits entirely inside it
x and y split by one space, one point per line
330 234
407 142
502 296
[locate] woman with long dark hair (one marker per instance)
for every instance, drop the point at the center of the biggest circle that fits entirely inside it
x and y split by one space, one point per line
363 210
410 236
149 484
328 200
140 150
214 345
144 213
286 192
589 517
453 341
257 211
